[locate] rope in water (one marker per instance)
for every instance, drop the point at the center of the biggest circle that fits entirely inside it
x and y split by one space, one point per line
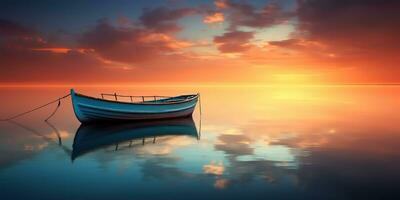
37 108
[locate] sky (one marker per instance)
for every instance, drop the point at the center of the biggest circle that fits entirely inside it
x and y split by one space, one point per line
199 42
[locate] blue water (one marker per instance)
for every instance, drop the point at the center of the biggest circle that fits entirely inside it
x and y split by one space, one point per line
316 143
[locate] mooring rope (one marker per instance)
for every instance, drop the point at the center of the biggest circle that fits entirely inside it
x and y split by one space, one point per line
198 138
54 112
200 103
37 108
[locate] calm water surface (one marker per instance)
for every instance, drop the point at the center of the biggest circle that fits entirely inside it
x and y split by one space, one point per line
254 143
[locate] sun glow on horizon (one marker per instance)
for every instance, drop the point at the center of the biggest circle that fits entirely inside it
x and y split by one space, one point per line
295 79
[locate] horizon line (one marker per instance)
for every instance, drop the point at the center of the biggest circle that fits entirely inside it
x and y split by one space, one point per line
34 85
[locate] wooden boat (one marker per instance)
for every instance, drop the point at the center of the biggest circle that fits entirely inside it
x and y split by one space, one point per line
89 109
93 136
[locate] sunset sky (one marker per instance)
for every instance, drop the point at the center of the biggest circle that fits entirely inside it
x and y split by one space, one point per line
199 42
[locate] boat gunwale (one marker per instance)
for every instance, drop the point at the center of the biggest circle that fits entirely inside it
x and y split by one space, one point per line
195 96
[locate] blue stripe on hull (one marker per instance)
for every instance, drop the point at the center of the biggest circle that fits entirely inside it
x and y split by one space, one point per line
91 115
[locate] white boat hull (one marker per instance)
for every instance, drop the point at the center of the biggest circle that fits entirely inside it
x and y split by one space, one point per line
89 109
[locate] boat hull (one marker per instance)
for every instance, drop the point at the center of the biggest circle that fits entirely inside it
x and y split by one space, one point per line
89 109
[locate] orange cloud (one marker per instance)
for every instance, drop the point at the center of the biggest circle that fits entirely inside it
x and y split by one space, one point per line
53 50
168 40
220 4
214 18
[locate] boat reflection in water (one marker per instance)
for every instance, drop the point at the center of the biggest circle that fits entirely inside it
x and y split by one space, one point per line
90 137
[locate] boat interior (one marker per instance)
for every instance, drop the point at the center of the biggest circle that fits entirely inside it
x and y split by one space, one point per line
147 99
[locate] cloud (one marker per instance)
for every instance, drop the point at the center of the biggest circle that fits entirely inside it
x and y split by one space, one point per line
289 43
234 42
29 65
163 19
306 47
246 15
129 44
27 56
100 50
214 18
54 49
354 29
14 35
220 3
361 34
12 29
